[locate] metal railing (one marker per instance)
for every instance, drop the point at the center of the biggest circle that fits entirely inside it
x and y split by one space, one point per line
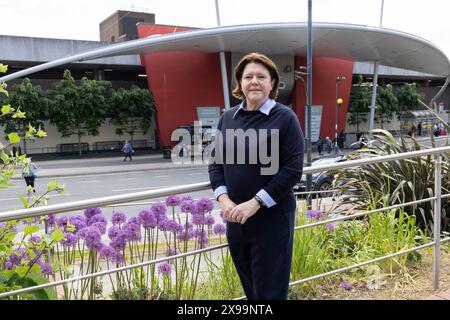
138 196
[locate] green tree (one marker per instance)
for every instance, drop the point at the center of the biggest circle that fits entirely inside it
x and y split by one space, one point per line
386 106
79 109
132 110
31 100
359 103
408 97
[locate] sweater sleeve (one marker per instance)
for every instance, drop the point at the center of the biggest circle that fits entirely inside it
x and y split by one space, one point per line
291 161
215 167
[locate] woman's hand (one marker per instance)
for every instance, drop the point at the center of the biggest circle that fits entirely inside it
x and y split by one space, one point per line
226 205
243 211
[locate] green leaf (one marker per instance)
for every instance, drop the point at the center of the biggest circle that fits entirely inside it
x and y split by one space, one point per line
30 229
6 109
4 157
35 279
47 239
13 138
19 114
24 201
57 235
3 68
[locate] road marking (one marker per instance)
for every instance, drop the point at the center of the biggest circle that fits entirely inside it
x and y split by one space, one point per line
161 176
53 195
144 188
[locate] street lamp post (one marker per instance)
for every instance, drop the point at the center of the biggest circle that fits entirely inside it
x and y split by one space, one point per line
338 102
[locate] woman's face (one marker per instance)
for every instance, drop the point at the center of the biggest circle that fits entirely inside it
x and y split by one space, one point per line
256 84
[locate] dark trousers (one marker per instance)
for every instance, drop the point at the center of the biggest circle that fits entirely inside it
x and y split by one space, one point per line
262 253
127 155
29 181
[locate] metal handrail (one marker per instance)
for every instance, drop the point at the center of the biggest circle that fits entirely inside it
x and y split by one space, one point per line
137 196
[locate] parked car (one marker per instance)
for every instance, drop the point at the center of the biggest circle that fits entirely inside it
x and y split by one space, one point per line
321 181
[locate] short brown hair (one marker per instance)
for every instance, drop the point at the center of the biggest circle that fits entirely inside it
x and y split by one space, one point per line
255 58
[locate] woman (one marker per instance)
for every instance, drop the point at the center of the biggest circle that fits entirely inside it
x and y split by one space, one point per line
258 204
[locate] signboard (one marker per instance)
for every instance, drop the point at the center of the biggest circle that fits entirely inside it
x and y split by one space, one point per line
209 116
316 119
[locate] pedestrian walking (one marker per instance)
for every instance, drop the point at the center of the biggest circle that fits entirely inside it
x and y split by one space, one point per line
127 149
328 144
257 200
29 174
319 145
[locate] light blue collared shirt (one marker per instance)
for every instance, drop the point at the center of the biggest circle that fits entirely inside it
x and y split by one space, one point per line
265 108
265 197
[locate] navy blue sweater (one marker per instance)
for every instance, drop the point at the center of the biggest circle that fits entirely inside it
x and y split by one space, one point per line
243 181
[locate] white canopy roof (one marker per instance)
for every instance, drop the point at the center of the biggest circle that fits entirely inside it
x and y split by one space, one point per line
344 41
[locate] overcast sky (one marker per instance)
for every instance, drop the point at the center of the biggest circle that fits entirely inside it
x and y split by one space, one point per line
79 19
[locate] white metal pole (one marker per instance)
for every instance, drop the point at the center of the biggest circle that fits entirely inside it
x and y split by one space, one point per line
223 67
437 220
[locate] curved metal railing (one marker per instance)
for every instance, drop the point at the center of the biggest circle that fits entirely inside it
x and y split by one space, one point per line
138 196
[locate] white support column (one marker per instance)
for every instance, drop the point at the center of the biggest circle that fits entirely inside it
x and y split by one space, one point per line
374 95
223 67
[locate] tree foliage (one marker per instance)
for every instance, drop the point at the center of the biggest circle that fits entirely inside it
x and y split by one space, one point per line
32 101
132 110
389 102
359 103
79 109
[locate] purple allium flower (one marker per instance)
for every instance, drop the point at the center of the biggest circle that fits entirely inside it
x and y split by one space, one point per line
171 251
198 219
202 240
113 232
79 222
107 253
132 231
204 205
173 201
187 206
119 242
147 218
164 268
330 226
92 237
186 198
345 285
46 269
62 222
34 239
314 214
168 225
118 218
219 229
8 265
160 211
119 258
134 220
100 226
90 212
209 220
51 219
97 218
70 239
185 236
